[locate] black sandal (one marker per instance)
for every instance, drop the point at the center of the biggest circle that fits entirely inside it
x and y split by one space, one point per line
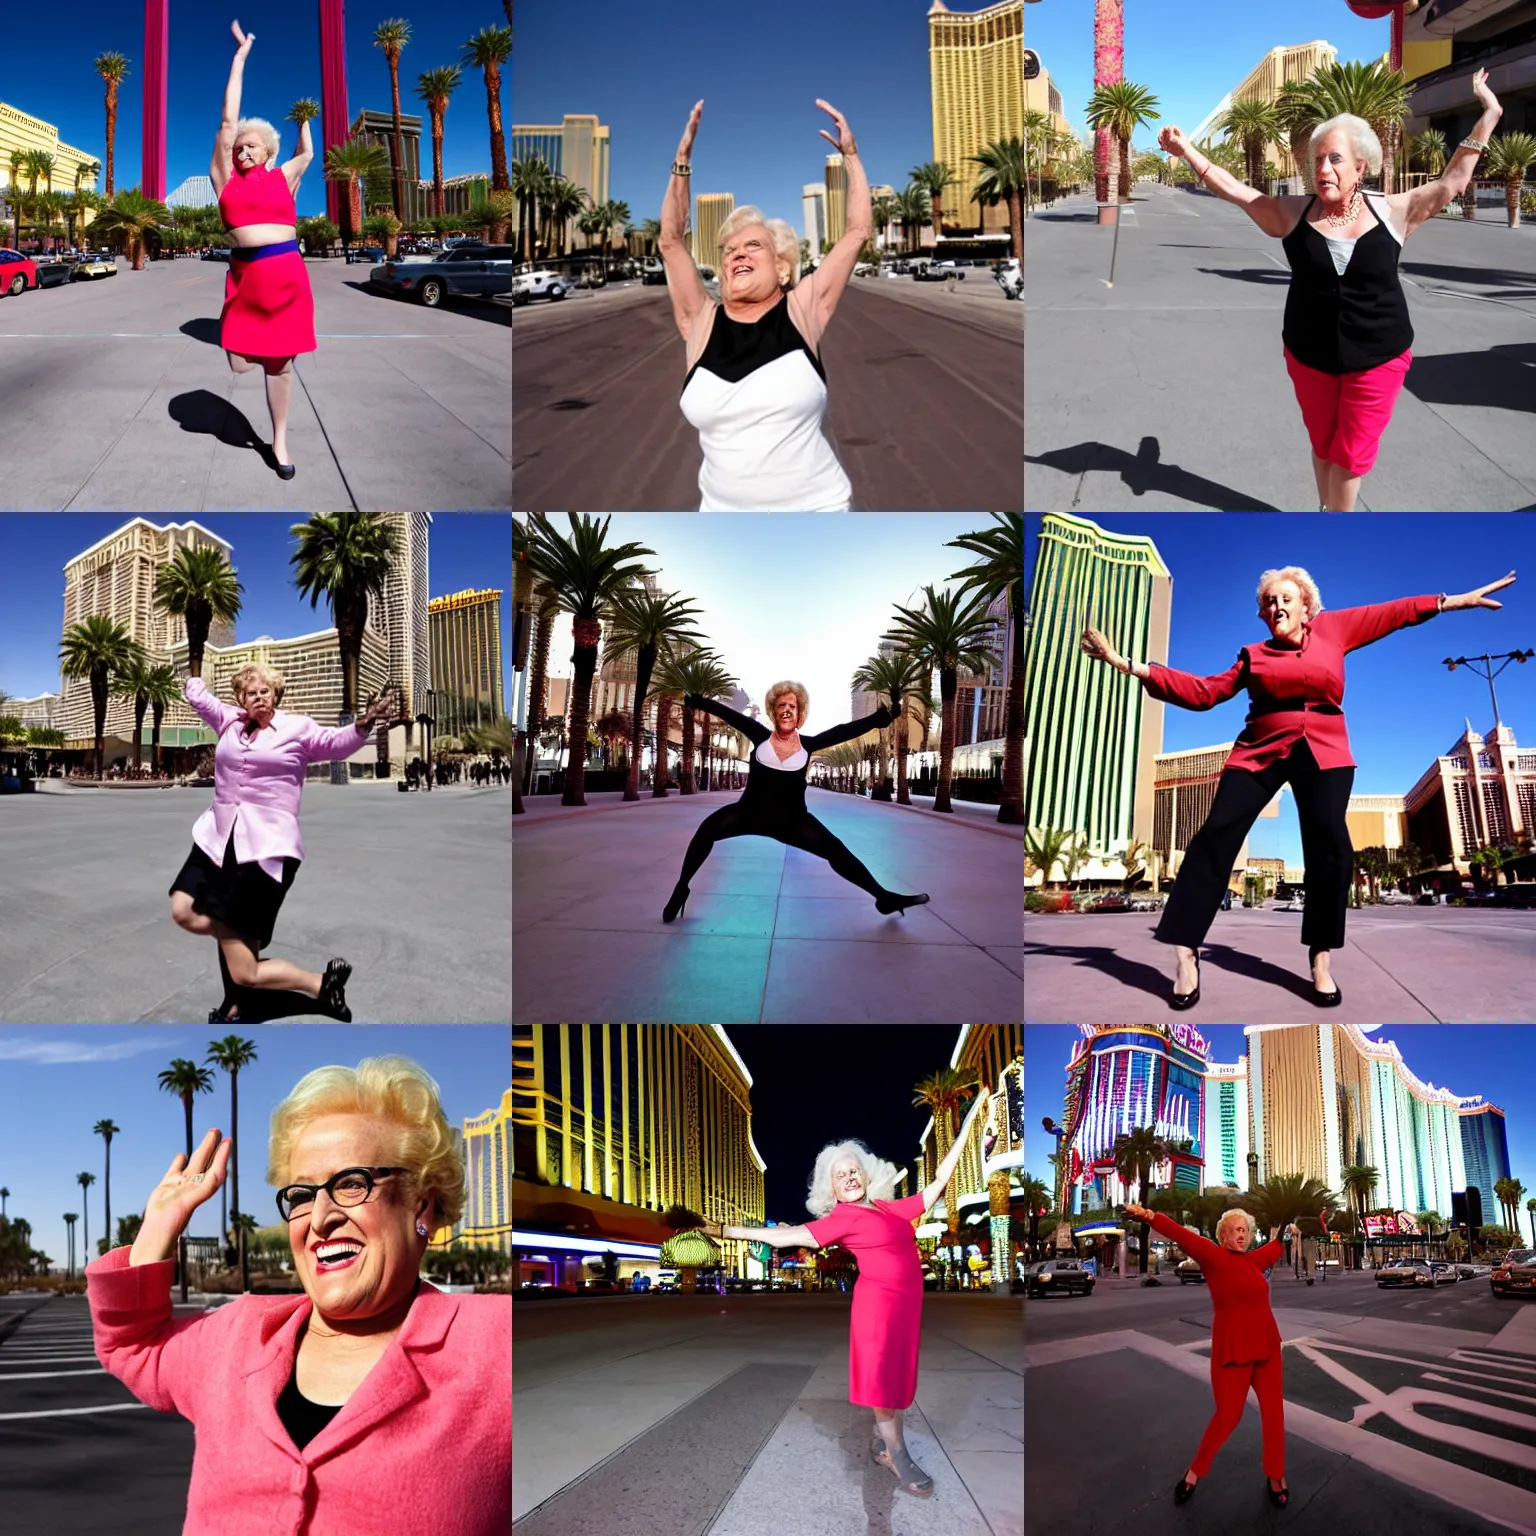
1279 1497
333 991
1184 1491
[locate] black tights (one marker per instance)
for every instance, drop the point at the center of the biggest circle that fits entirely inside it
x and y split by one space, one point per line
805 832
256 1005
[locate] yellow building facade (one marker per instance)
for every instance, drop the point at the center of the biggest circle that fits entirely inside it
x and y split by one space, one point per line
579 148
710 211
976 87
20 131
487 1220
837 199
464 631
1280 67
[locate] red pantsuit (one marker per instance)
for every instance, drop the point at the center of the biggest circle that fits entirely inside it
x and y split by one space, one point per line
1245 1342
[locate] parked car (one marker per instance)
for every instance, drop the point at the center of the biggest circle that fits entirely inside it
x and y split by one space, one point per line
1292 904
1406 1272
1010 277
1057 1277
89 268
53 274
1515 1274
17 272
1189 1272
653 273
367 254
1396 899
1444 1270
465 272
538 285
1110 901
1466 1271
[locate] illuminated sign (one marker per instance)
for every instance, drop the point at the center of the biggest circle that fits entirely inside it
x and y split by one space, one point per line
1381 1226
1190 1038
1406 1223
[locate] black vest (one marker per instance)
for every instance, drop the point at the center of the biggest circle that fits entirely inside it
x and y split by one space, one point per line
775 792
1348 323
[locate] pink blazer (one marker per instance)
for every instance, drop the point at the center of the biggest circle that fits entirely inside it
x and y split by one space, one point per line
424 1444
257 781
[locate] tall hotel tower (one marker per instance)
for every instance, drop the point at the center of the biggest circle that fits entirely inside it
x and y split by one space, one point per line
1091 734
466 659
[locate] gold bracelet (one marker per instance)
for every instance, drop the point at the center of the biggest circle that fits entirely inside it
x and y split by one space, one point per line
681 168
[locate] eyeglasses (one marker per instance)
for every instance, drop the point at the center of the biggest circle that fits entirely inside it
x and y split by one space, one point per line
352 1186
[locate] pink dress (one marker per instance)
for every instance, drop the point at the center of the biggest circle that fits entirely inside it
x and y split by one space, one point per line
887 1322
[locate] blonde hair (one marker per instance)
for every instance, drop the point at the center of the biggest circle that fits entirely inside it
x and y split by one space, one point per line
786 243
269 675
880 1176
1229 1216
1362 139
798 689
390 1088
1309 591
268 134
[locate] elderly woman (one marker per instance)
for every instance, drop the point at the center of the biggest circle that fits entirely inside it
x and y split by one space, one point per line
850 1194
1294 734
1347 335
269 311
756 389
373 1401
1245 1340
246 847
773 803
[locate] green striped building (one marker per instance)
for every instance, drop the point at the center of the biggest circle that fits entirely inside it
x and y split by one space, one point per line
1091 734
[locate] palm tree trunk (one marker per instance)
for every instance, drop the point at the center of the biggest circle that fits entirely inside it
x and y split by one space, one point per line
111 135
1125 169
99 710
948 684
154 738
645 661
685 772
140 704
659 766
398 144
107 1191
1011 811
903 797
499 182
234 1177
1016 223
536 682
587 635
437 163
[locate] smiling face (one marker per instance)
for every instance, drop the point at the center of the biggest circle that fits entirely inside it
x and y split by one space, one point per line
848 1179
259 700
750 270
1284 609
1336 172
786 713
382 1230
1235 1235
250 150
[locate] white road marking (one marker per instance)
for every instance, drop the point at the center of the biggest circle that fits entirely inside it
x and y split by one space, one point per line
42 1360
62 1413
49 1375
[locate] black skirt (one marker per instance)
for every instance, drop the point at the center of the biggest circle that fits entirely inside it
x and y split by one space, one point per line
241 896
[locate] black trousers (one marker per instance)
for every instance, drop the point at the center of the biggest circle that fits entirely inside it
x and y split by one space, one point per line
802 831
1322 795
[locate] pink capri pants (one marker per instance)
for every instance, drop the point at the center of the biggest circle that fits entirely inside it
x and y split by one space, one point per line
1346 413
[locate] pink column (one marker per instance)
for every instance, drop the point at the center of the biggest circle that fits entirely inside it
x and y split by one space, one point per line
334 120
156 39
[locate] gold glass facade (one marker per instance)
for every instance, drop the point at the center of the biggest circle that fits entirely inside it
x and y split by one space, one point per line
976 85
465 632
1280 67
711 210
487 1221
989 1048
836 194
1184 787
21 131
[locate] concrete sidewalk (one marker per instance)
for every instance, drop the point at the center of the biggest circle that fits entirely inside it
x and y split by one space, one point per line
770 934
1399 965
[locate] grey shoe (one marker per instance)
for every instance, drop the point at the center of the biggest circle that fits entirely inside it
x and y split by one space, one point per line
907 1472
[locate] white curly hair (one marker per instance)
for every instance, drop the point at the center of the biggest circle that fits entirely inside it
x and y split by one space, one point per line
1363 139
266 131
880 1176
1309 590
1235 1214
786 243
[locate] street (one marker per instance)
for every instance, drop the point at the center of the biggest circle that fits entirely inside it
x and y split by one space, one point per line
1399 965
412 889
924 407
695 1414
1169 391
116 396
770 934
1409 1409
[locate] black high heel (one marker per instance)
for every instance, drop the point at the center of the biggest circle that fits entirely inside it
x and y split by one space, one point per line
287 471
1183 1000
1325 999
1279 1497
891 902
333 991
675 903
1183 1491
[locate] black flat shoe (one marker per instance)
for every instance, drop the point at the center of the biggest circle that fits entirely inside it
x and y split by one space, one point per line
1183 1000
1279 1497
1328 999
675 903
1183 1491
891 902
287 471
333 991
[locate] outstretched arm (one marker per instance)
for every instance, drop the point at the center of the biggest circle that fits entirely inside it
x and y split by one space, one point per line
1197 1247
1418 206
222 166
850 731
1186 689
1274 215
775 1237
755 729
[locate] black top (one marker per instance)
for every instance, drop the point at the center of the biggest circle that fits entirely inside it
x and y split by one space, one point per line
301 1418
781 791
1345 323
738 347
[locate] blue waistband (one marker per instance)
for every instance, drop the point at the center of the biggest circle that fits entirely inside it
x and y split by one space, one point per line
256 252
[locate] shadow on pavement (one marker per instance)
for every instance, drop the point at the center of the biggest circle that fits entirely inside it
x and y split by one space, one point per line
200 410
1522 284
1142 472
1109 963
1500 376
1240 963
203 329
1267 277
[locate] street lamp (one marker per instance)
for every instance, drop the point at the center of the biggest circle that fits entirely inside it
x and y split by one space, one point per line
1488 671
1253 1169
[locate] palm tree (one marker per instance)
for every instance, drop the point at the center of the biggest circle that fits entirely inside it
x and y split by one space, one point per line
564 201
911 213
70 1218
1357 1181
1122 107
354 163
1000 574
646 623
1429 149
1372 91
85 1180
530 180
943 1093
95 648
1510 156
902 678
183 1079
392 36
1253 124
91 168
1298 109
198 587
1004 176
947 633
135 218
1530 1206
107 1130
584 573
934 177
544 606
18 165
1136 1153
5 1195
487 51
164 689
1516 1189
345 557
113 69
305 110
78 205
131 681
232 1053
435 86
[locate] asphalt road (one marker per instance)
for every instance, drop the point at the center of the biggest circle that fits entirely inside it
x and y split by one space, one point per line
1169 391
925 400
116 396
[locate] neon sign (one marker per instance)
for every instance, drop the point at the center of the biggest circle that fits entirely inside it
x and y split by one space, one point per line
1190 1038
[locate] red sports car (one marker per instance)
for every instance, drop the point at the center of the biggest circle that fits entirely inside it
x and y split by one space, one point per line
17 272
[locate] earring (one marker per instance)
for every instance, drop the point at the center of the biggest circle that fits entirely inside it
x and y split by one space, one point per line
421 1231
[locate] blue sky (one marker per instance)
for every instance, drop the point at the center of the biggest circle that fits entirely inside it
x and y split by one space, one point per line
1189 53
1216 559
759 70
46 69
464 549
1494 1060
57 1082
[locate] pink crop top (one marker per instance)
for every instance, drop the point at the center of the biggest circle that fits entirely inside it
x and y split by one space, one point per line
257 196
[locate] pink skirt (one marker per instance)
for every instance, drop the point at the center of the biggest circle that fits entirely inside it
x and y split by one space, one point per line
269 310
1345 414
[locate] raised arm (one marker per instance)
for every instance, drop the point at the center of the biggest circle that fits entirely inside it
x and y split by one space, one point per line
216 714
1197 1247
849 731
293 169
831 277
755 729
222 166
1423 202
327 744
1274 215
684 285
951 1159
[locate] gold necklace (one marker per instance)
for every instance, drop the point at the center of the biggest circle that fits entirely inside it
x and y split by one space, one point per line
1350 213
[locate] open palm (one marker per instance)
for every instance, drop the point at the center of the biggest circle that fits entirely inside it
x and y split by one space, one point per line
187 1184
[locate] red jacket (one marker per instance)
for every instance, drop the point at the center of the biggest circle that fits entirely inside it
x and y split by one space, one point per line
1279 679
1243 1328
